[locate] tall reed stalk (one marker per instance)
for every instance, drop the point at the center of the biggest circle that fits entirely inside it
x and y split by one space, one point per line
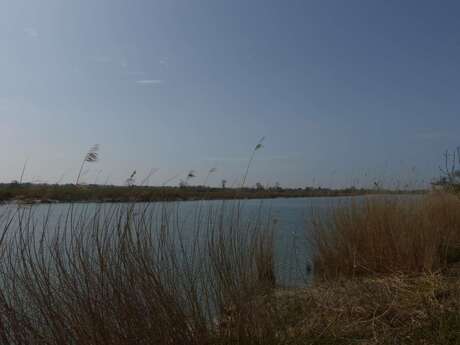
90 157
132 275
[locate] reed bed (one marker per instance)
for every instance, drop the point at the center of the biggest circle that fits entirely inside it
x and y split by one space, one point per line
381 235
133 275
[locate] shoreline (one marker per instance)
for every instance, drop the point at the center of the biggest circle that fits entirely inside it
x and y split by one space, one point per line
54 194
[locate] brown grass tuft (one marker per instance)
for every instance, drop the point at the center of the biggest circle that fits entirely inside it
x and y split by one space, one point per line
388 235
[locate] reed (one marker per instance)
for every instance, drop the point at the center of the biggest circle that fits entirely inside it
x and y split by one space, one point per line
381 235
133 275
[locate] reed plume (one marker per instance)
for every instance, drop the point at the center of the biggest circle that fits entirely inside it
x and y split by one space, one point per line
90 157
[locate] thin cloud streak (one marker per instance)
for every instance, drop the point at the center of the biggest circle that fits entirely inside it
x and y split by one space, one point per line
149 81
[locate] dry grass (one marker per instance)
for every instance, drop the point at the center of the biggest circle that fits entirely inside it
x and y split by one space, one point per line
386 273
394 309
388 235
130 275
133 275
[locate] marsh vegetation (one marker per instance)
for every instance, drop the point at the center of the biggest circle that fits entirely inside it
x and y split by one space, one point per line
385 271
382 269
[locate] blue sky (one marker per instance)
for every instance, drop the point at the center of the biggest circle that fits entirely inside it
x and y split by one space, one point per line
345 92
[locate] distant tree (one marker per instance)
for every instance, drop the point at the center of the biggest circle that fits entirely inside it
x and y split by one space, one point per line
224 183
450 174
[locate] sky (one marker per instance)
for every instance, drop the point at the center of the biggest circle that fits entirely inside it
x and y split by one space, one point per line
344 92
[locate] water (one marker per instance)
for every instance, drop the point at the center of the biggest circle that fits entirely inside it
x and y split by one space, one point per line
291 218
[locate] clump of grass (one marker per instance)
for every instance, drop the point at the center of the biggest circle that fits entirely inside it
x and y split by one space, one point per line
388 235
395 309
133 275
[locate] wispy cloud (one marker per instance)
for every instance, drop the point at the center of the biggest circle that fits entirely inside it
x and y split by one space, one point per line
31 32
149 81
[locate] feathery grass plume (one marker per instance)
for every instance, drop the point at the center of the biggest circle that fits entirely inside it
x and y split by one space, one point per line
256 148
91 156
130 181
191 174
211 171
184 183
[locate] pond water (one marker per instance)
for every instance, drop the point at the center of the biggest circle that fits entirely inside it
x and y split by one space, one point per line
291 219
